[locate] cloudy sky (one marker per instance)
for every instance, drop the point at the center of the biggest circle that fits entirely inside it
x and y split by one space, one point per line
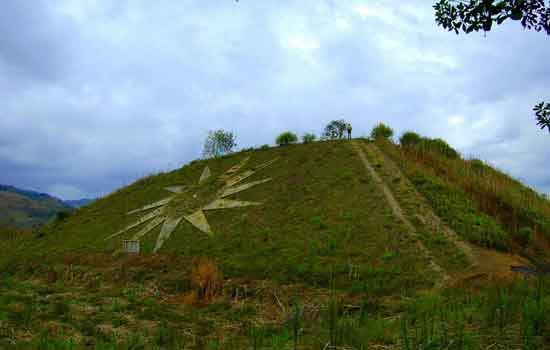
95 94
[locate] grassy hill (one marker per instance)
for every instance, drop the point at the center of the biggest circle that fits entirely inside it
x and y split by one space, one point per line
26 209
351 244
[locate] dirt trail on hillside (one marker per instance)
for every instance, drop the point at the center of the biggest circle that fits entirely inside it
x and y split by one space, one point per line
423 210
485 264
398 212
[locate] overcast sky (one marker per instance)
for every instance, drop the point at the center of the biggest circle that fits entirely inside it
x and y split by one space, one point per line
95 94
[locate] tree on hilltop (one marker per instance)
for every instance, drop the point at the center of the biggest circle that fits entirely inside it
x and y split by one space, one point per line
381 130
335 129
286 138
218 143
308 137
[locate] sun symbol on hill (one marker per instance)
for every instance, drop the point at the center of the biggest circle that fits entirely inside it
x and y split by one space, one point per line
190 202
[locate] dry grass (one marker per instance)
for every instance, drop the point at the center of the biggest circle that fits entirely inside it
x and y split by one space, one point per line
207 283
496 194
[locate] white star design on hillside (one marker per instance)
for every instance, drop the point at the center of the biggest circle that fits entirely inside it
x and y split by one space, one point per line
190 202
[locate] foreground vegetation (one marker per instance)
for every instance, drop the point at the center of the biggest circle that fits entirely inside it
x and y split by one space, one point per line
323 263
89 306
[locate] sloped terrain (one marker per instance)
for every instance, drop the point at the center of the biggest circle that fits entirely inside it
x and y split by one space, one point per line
25 209
343 248
320 212
482 204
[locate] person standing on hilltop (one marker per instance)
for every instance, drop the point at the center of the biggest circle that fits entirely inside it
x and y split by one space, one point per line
348 128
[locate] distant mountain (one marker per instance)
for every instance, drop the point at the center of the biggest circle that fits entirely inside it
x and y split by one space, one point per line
25 208
78 203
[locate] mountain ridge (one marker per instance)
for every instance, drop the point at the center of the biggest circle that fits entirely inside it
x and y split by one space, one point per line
25 208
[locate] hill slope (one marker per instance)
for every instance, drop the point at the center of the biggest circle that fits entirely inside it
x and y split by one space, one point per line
78 203
25 209
319 209
341 243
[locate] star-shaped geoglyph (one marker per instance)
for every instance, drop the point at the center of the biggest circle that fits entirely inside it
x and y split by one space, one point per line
190 202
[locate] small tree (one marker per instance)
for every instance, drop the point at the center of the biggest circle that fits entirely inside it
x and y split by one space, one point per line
286 138
309 138
335 129
410 138
218 143
381 131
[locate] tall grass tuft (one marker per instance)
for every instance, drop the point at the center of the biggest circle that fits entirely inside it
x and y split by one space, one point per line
206 281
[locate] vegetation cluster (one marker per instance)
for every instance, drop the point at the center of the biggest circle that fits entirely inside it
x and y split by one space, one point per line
482 203
322 263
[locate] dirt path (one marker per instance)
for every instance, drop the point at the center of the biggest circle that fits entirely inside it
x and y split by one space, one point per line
485 264
423 210
398 212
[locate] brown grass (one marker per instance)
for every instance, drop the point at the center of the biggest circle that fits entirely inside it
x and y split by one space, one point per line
497 194
207 282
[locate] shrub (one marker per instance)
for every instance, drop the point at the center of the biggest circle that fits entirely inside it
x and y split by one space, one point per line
524 236
381 131
441 147
286 138
458 211
266 146
410 138
207 283
308 138
62 215
477 164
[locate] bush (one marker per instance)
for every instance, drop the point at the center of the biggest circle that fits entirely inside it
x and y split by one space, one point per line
441 147
381 131
61 217
459 212
477 165
207 282
308 138
266 146
524 236
409 139
286 138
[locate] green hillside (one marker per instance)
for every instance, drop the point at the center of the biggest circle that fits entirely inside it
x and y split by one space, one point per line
26 209
337 245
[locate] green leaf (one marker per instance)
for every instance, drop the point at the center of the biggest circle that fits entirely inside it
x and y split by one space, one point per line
516 14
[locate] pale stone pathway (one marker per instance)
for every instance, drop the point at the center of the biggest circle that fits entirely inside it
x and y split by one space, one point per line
398 212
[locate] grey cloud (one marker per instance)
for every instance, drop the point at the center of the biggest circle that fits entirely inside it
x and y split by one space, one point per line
122 89
34 42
